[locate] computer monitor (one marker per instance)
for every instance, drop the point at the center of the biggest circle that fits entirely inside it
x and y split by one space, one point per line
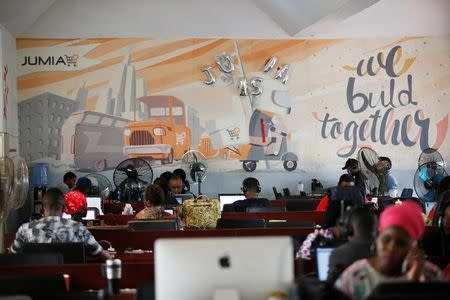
322 260
90 215
181 197
95 201
229 198
220 263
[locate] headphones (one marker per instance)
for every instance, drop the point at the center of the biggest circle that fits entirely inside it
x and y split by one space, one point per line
250 182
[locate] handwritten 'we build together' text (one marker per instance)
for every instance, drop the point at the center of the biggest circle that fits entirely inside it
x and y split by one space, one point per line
381 126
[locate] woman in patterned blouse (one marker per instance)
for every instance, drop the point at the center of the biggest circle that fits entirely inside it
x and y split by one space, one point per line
154 203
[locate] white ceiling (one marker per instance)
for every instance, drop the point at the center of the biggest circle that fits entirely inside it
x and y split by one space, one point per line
230 18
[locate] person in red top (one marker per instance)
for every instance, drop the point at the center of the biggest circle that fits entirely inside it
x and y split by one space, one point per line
344 180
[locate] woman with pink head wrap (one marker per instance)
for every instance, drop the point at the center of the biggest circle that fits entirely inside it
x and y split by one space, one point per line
397 257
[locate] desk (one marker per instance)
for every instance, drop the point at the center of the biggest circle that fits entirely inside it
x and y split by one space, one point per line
89 276
314 216
122 239
117 207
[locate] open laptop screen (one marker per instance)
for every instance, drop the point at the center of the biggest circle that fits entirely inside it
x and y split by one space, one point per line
323 258
229 198
181 197
95 201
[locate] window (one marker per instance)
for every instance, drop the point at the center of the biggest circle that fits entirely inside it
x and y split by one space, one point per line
120 123
176 111
91 119
157 112
106 121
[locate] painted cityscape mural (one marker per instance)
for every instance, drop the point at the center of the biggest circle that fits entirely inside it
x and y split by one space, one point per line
302 104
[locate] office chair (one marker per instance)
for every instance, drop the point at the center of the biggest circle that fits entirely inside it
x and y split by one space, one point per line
152 225
253 209
275 192
406 193
411 290
73 253
146 291
31 259
302 204
36 286
223 223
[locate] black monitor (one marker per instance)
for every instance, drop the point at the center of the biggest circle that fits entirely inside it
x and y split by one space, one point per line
224 223
153 225
73 253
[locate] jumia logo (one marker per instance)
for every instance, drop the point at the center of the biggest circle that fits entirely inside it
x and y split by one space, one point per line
68 60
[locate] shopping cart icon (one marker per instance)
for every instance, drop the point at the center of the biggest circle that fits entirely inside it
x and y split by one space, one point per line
233 133
72 60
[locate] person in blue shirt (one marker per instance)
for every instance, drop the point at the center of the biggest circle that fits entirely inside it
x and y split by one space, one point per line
392 183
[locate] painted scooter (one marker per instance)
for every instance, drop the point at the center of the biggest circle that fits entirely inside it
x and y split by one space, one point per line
267 134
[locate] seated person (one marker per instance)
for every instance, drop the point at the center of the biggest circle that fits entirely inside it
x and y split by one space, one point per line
391 181
437 243
163 181
83 185
154 204
176 187
53 229
68 183
352 167
75 204
344 180
251 189
361 233
186 186
398 257
443 186
329 235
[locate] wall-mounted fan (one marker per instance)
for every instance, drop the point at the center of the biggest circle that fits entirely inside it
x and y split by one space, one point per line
194 163
100 185
375 171
131 177
429 174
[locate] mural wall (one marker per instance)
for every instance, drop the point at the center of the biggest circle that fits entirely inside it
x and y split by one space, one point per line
294 108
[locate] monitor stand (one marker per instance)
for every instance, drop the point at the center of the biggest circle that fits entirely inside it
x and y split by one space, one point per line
226 294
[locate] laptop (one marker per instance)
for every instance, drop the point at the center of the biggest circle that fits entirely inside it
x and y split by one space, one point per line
181 197
96 202
223 265
322 261
229 198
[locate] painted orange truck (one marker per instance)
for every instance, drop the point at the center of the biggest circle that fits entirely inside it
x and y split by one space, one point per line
164 136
